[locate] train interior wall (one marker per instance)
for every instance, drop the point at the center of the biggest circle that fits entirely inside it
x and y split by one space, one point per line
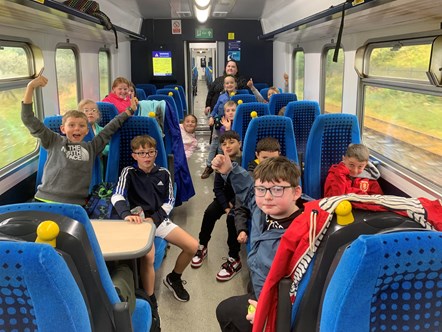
256 56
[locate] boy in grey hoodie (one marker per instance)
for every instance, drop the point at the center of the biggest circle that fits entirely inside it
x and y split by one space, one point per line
68 169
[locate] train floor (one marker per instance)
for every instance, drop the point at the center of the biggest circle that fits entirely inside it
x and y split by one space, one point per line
205 291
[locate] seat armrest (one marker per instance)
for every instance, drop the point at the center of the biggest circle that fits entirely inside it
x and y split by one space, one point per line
123 322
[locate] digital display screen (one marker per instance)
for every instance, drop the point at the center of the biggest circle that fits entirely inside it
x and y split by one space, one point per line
162 63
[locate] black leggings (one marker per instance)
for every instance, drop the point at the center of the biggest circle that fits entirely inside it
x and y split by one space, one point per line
213 212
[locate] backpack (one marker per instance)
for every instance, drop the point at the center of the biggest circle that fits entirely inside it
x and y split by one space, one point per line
93 8
99 205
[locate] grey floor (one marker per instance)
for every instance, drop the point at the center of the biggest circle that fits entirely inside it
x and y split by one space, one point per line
205 291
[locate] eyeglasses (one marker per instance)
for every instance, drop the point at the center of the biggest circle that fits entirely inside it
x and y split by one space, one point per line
275 191
143 154
93 110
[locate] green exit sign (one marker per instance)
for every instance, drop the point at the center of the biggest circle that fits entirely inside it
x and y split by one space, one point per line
204 33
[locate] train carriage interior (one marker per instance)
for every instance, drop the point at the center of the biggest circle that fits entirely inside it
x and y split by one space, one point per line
373 66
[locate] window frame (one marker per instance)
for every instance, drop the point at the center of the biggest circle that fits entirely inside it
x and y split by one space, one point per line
34 59
324 52
397 84
293 76
76 53
109 62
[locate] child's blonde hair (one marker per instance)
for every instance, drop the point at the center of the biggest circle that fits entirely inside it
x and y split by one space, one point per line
73 114
273 88
358 151
229 103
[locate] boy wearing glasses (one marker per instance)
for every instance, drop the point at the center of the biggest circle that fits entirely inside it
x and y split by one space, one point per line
150 187
272 199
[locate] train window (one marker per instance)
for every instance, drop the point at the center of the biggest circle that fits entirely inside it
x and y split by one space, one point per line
67 78
14 62
16 70
333 81
104 68
298 73
400 61
402 112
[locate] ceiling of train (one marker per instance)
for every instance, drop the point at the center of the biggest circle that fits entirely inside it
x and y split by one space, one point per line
230 9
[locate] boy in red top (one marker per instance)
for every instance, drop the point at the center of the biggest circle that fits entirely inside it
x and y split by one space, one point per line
353 175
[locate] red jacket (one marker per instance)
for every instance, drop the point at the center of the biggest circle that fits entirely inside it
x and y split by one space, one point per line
298 245
120 104
339 181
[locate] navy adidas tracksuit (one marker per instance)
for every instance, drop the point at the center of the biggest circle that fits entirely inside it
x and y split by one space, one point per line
152 191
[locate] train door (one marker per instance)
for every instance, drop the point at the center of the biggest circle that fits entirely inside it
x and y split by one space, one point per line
204 62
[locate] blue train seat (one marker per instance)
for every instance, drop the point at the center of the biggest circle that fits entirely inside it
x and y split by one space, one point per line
54 123
242 116
38 290
78 244
176 96
149 89
243 92
303 113
392 282
141 95
279 100
108 112
278 127
120 156
329 138
246 98
182 94
305 312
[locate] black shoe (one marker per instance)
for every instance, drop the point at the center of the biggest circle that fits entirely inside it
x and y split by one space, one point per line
207 171
177 288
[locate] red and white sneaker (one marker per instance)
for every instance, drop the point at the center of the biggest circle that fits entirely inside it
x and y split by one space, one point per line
200 255
229 269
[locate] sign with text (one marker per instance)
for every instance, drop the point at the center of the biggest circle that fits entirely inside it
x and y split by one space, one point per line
203 33
162 63
176 27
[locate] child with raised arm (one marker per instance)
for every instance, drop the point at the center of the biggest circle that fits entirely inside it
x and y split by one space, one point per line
187 129
68 169
223 203
119 95
215 120
270 92
355 174
150 187
272 199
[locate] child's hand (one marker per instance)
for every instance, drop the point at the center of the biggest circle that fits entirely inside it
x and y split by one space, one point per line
250 83
134 103
251 311
134 219
39 81
222 164
242 237
226 123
